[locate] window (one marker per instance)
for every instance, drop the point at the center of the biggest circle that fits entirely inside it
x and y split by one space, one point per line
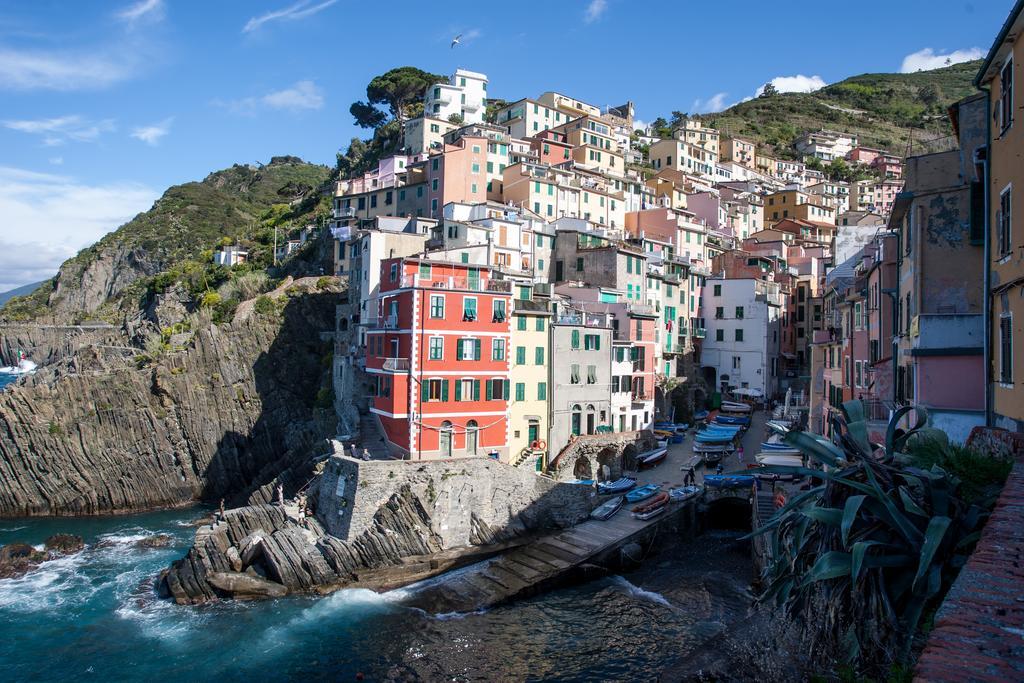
394 272
1006 349
437 348
520 322
520 355
592 342
437 306
739 312
639 329
520 391
579 264
475 168
719 312
542 391
468 349
469 308
574 374
575 339
540 324
1006 96
497 389
735 362
719 335
718 289
1004 220
499 310
434 390
591 374
498 349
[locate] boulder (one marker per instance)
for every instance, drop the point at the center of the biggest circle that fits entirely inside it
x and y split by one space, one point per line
18 558
245 586
65 544
157 541
250 547
234 559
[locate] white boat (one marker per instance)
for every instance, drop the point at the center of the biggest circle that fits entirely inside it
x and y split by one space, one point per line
684 493
780 458
24 367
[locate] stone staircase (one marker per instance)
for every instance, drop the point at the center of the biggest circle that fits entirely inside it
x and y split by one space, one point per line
372 438
527 459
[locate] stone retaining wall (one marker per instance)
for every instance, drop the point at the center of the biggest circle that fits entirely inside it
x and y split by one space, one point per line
470 501
598 450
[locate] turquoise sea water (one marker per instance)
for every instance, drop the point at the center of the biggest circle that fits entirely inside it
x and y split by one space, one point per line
94 616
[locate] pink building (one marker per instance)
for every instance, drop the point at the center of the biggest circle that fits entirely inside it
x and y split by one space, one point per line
457 174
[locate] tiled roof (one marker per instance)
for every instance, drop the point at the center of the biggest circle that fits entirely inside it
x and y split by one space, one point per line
979 630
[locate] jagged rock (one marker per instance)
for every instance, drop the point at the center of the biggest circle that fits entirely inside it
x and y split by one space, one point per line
157 541
230 417
18 558
64 544
234 559
245 586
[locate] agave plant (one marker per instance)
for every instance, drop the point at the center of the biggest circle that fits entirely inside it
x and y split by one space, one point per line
860 556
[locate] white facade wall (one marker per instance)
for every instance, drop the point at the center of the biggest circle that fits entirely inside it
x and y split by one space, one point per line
753 362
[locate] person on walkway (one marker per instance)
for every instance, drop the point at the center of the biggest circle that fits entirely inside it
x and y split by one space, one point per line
690 479
718 468
366 454
739 454
355 453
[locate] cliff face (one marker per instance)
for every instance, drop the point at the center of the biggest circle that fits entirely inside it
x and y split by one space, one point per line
230 416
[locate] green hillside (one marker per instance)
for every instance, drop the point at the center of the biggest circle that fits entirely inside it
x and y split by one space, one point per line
174 241
884 110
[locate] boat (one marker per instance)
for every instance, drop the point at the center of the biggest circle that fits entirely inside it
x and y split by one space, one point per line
775 446
24 367
651 457
700 448
693 463
731 420
700 415
655 506
618 486
642 493
664 433
582 482
777 458
714 438
684 493
733 407
608 508
713 457
729 481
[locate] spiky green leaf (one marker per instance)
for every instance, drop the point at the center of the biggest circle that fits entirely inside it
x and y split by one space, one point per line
933 536
850 510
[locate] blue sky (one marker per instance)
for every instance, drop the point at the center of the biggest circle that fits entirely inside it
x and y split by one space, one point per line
105 104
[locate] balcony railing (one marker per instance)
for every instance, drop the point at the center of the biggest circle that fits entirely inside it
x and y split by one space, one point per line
700 332
396 364
644 396
389 322
452 282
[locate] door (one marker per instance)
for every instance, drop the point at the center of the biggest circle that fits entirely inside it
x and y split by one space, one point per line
533 432
446 439
471 437
590 423
474 279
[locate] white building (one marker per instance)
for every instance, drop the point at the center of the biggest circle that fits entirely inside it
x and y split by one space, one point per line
464 94
230 256
743 318
825 144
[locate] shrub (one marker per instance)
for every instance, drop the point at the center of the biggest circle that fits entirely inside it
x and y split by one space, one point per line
210 299
265 306
324 282
325 398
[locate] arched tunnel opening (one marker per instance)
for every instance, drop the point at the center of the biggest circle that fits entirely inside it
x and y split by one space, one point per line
728 512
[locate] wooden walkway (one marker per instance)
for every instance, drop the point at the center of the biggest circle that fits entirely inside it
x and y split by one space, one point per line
532 567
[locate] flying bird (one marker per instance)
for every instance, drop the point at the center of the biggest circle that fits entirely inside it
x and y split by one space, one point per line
456 40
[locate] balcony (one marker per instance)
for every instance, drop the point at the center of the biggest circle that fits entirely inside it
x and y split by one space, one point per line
396 364
389 322
700 332
640 397
452 282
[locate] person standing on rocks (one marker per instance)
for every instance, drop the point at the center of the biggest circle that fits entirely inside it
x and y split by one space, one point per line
280 495
366 454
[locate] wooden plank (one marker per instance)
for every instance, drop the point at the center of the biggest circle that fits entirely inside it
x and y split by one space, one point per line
540 554
566 557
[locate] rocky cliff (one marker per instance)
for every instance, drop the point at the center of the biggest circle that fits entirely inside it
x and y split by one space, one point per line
228 410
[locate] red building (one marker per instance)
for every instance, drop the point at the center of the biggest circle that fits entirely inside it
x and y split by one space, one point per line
551 147
439 360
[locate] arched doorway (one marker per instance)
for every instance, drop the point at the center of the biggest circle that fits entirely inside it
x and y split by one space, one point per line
472 437
446 439
591 419
576 418
608 466
582 470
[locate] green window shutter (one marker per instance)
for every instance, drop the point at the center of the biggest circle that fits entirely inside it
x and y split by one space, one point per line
476 390
520 355
458 390
458 350
542 391
505 384
575 339
424 391
539 355
520 391
540 324
444 390
476 351
487 383
597 342
521 324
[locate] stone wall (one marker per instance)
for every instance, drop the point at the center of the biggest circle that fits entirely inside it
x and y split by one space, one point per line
470 501
598 450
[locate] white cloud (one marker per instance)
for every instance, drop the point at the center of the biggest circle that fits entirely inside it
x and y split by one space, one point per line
927 59
142 11
299 10
595 10
798 83
57 161
23 70
714 103
57 131
49 218
151 134
303 95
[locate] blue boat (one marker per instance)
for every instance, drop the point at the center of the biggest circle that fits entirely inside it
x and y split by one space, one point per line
726 420
768 446
618 486
642 493
700 415
728 481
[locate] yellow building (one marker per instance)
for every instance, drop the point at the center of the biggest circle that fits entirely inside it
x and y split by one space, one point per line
528 397
553 193
998 75
799 205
